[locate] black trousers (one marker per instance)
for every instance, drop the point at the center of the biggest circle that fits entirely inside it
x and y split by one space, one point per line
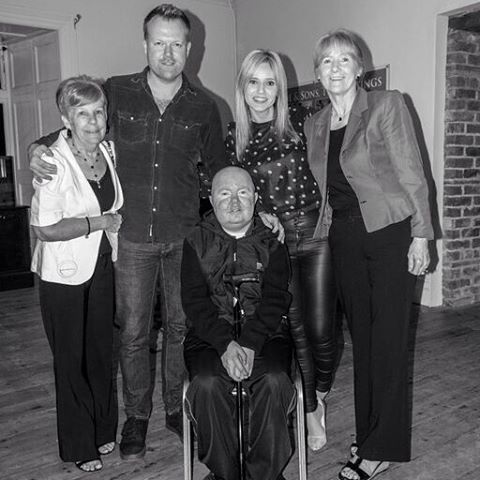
271 397
312 311
376 293
78 321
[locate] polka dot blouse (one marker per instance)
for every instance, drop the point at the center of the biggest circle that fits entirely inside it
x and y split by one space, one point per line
280 171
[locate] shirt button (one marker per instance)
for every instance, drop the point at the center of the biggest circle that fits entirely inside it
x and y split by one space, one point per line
154 209
159 119
155 187
157 142
156 165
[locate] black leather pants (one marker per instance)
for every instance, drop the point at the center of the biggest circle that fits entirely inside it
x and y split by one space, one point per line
312 312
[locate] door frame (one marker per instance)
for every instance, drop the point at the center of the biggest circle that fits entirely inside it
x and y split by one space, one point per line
68 51
432 293
63 23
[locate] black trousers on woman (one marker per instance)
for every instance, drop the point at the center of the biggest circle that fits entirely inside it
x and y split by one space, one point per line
78 321
270 397
312 311
376 293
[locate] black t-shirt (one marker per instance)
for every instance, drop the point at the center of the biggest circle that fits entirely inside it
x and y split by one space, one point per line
105 193
340 194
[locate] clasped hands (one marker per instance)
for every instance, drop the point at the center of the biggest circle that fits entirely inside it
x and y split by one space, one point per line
238 361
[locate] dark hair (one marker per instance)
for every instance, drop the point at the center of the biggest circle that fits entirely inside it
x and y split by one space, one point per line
78 91
168 12
343 38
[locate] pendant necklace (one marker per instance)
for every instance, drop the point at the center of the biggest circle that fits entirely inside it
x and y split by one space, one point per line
340 116
90 163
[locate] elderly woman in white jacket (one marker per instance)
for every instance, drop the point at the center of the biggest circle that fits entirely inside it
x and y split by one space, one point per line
75 219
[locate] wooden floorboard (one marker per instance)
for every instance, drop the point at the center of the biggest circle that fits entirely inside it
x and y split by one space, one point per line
445 351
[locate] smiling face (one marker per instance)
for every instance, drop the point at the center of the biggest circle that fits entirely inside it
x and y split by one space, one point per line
261 93
338 70
233 199
166 48
88 124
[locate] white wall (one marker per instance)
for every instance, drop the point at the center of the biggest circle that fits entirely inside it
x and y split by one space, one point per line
108 38
410 35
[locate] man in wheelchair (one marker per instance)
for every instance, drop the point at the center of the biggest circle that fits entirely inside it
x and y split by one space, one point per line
235 295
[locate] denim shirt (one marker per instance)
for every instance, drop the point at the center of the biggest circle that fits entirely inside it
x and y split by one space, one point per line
158 156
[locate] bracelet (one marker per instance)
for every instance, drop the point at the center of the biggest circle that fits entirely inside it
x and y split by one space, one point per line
88 225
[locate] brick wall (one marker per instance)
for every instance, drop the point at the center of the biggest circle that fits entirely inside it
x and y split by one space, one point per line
461 211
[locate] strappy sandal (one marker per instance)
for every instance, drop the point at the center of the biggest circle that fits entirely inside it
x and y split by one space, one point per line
106 448
82 465
355 466
353 449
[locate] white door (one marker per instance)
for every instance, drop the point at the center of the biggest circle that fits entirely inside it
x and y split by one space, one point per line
35 74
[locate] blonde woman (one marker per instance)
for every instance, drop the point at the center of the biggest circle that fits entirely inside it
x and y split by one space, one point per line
364 155
271 147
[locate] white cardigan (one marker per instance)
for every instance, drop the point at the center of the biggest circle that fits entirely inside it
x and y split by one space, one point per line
69 195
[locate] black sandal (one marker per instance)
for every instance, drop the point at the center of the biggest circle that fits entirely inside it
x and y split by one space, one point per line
81 465
362 474
107 452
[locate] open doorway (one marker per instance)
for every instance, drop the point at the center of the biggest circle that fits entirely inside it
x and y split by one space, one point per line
19 20
31 63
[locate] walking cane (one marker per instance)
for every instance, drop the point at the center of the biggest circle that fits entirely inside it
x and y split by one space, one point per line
235 281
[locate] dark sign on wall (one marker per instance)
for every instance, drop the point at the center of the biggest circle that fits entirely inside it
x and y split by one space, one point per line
313 97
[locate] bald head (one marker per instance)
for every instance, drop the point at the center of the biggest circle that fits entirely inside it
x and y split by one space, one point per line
233 199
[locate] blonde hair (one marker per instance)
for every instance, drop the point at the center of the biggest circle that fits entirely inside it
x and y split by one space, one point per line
281 120
340 37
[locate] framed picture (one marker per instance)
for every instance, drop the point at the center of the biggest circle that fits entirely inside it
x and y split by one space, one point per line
311 97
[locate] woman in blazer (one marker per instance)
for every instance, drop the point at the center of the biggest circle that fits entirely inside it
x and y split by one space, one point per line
74 218
363 153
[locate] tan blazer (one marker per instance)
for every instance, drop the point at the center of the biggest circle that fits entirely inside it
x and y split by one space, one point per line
380 159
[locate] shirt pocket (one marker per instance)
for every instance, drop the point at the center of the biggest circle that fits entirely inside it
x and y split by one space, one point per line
184 135
132 127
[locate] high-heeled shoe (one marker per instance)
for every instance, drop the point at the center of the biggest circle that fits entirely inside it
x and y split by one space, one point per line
317 432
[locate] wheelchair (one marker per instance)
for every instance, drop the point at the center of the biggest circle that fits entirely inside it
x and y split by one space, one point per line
188 450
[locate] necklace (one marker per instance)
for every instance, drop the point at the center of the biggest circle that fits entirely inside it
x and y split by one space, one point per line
340 116
92 162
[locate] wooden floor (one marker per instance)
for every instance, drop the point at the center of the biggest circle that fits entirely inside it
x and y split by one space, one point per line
446 406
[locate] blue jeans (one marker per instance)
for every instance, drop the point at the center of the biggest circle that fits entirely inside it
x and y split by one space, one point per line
136 272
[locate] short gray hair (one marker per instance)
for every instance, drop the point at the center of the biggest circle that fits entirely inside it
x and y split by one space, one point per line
77 91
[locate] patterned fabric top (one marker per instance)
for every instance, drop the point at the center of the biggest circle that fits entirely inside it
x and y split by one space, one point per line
279 170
